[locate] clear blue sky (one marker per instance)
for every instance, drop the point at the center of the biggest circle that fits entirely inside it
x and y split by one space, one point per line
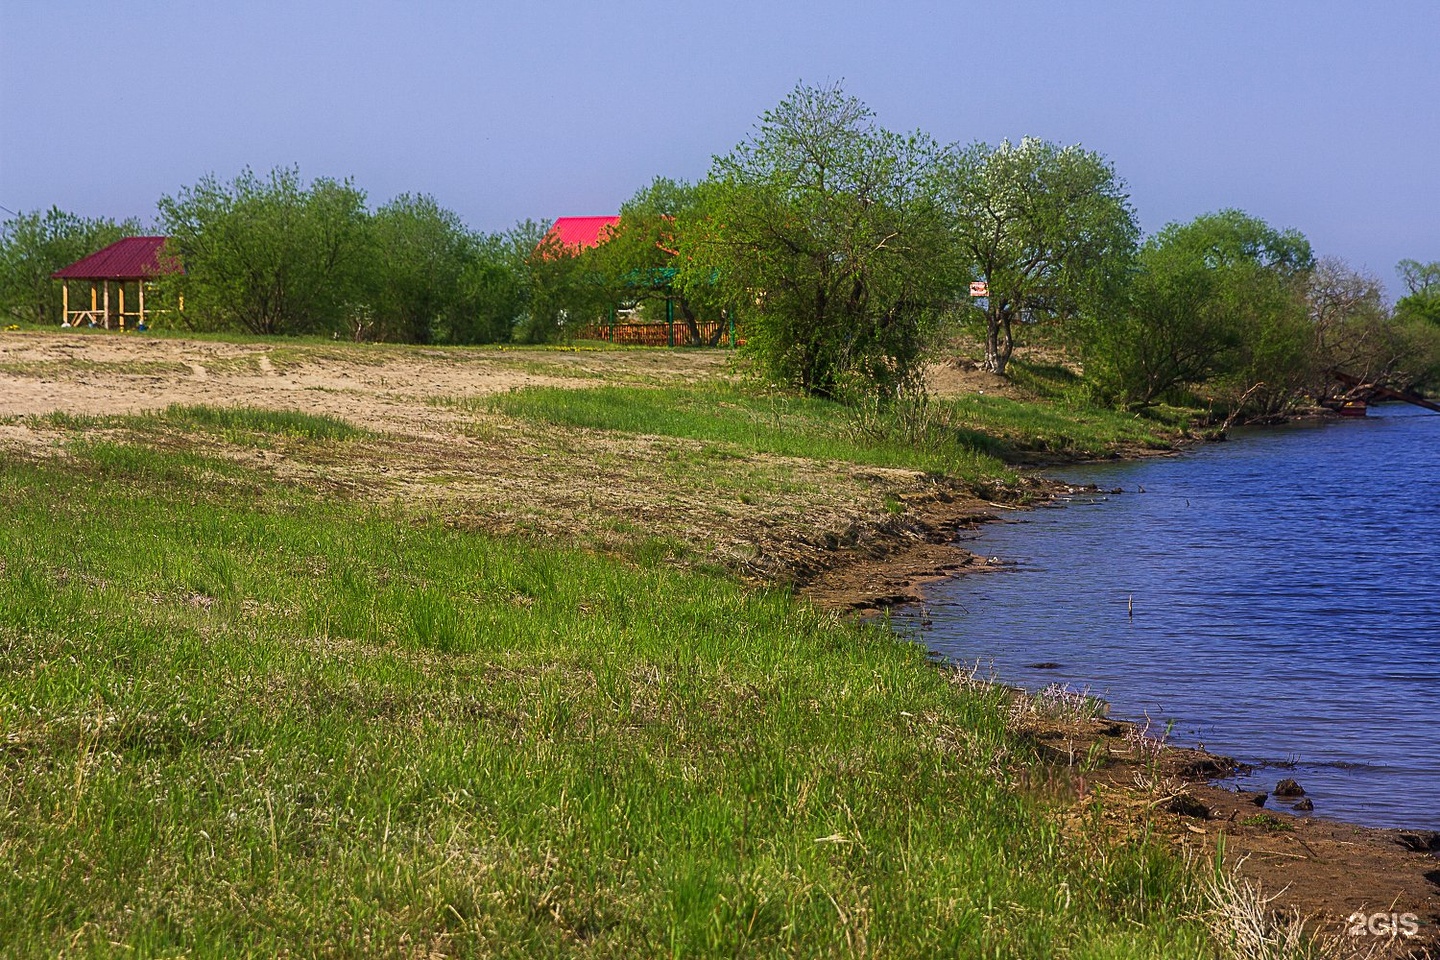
1322 115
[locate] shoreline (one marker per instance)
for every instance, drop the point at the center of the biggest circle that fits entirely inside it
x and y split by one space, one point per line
1327 870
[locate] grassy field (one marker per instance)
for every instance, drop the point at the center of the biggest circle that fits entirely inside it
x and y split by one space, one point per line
246 726
244 714
748 421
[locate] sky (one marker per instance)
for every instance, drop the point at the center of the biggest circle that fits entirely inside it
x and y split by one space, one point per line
1321 116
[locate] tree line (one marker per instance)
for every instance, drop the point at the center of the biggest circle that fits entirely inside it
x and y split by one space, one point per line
845 252
849 251
275 255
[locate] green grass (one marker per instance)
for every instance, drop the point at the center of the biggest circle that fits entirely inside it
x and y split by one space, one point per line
1269 822
1047 380
77 422
79 365
146 466
971 437
234 423
1060 385
151 452
747 421
277 723
241 420
1011 428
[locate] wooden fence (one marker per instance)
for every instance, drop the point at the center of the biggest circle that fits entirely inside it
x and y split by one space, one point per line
657 334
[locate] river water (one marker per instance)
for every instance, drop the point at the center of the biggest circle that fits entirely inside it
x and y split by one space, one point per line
1286 606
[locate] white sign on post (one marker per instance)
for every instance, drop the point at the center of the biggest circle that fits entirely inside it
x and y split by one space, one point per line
979 288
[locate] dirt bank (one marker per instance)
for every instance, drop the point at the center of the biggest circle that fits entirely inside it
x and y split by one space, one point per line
1338 875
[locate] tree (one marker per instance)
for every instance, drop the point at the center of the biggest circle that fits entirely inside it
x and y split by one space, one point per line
419 255
35 245
494 286
819 231
1405 353
1047 228
1356 333
1350 320
1422 285
1415 343
269 255
1221 298
1167 329
1263 275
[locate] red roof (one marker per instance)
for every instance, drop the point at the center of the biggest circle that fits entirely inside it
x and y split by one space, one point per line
134 258
579 233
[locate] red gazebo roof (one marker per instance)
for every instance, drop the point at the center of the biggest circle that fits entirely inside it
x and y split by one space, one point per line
580 233
134 258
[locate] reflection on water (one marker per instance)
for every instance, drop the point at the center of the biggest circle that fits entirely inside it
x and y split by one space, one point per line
1286 590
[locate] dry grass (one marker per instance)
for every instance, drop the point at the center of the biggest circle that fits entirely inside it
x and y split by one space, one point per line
1247 925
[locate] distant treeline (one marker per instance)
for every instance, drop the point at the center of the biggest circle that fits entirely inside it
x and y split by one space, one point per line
848 254
274 255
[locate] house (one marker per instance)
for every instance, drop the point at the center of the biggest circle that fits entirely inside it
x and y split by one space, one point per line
581 233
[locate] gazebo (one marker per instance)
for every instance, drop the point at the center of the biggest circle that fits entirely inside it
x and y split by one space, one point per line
131 261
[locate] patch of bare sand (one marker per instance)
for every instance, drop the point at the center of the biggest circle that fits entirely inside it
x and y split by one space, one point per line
962 377
110 374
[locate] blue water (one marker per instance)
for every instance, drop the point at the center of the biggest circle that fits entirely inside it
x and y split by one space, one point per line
1286 589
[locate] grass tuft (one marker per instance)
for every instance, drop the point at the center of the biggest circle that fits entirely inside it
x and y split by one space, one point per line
135 463
287 423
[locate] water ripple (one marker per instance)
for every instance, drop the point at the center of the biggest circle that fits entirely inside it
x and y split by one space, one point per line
1286 591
